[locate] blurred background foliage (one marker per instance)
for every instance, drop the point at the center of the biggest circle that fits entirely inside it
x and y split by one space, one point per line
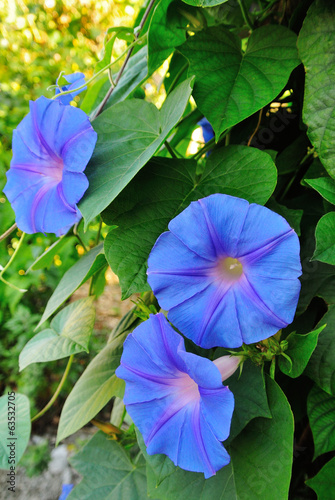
38 40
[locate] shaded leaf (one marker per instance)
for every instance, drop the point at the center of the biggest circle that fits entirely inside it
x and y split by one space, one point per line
324 482
230 84
204 3
321 414
316 39
325 239
321 366
250 397
69 333
293 216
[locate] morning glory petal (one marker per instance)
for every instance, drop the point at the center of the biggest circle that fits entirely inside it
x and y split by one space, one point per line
74 80
216 407
74 185
209 318
164 394
262 227
177 271
51 147
244 243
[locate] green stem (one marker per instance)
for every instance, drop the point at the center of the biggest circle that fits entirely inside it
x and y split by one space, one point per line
170 150
245 14
210 144
8 232
77 235
59 388
204 149
131 46
97 239
4 269
179 73
22 290
123 67
265 11
289 185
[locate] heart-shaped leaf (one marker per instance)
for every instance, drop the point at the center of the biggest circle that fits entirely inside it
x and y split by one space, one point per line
230 84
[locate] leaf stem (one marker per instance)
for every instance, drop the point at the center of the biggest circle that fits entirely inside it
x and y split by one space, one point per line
97 239
170 150
13 255
289 184
8 232
77 235
66 92
130 50
245 14
210 144
257 127
59 388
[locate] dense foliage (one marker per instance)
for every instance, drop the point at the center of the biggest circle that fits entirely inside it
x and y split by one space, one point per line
261 73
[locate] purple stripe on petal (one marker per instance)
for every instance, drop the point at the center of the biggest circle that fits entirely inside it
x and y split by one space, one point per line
44 185
167 409
258 253
244 242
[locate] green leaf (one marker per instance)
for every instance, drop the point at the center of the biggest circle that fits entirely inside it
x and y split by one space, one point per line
167 31
108 472
318 279
96 386
80 272
204 3
325 239
300 349
250 397
288 160
261 461
120 32
135 74
69 333
321 414
129 134
321 366
143 210
94 94
12 446
316 38
324 186
324 482
292 216
262 454
47 257
230 84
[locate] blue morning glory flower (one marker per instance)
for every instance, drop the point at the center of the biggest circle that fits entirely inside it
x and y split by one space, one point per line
66 490
207 129
176 398
74 80
51 148
227 272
